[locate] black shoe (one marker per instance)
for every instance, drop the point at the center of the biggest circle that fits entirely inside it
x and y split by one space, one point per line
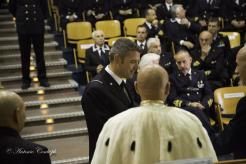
25 85
44 84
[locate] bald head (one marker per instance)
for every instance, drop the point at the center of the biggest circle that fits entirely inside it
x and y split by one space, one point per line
12 110
241 65
152 83
205 38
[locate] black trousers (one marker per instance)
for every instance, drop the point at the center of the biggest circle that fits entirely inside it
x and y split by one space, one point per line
25 41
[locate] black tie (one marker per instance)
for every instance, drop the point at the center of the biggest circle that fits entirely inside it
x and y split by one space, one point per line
103 57
124 88
142 46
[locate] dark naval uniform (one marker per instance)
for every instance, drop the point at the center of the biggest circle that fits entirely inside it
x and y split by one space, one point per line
70 8
103 98
15 150
97 7
197 89
213 65
167 61
94 57
30 15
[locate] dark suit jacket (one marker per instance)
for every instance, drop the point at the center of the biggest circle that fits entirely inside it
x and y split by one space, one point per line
151 32
102 99
214 62
176 32
30 15
167 61
92 60
142 51
15 150
163 13
234 135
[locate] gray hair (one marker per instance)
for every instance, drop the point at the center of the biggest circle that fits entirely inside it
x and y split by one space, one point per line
122 47
148 59
151 41
174 10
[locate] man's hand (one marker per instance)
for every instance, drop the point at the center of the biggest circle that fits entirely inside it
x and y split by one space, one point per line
99 68
185 22
155 23
197 105
188 44
205 49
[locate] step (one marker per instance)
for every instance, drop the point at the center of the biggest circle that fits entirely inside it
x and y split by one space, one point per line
64 93
70 84
4 11
50 76
54 110
48 55
57 118
6 17
7 49
59 67
58 82
16 65
78 160
55 134
68 148
53 102
9 40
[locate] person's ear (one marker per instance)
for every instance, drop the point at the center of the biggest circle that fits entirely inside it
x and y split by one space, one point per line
136 87
167 89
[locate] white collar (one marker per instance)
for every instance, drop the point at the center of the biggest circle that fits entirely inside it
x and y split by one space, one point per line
168 5
149 24
114 76
97 48
139 43
178 20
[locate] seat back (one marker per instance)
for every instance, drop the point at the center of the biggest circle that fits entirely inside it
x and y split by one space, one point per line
236 161
130 25
228 98
82 45
78 30
111 28
113 40
234 38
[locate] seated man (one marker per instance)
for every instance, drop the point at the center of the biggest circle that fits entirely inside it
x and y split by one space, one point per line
211 60
152 132
12 146
190 90
180 30
97 57
166 59
233 136
141 39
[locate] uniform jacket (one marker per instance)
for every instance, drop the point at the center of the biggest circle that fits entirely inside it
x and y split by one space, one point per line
167 61
176 32
68 7
102 99
15 150
152 133
100 6
152 32
235 11
163 13
184 90
92 59
30 15
213 65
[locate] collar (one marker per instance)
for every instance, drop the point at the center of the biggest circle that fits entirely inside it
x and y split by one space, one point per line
97 48
151 102
168 5
148 24
178 20
139 43
114 76
215 36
